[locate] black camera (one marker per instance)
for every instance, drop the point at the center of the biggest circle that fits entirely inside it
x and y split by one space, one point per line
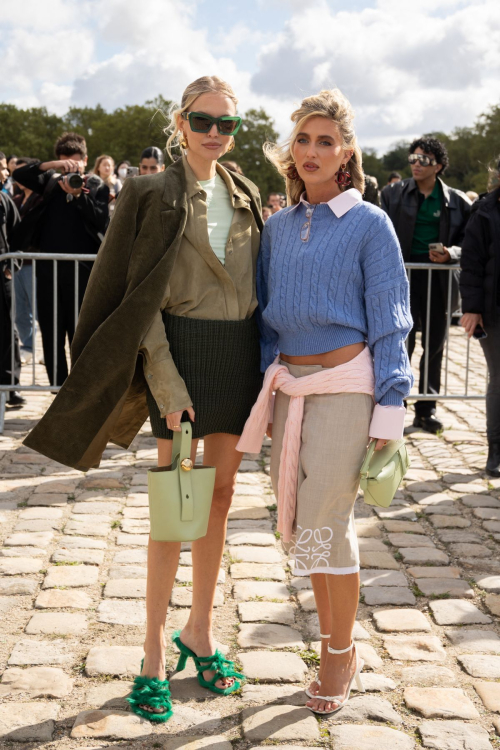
75 180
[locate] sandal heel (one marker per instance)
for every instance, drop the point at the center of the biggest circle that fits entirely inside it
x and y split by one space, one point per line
359 682
181 664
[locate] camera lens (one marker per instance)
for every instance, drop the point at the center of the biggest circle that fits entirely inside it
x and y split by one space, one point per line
75 181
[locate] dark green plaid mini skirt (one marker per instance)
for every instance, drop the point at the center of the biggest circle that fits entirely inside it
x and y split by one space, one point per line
219 360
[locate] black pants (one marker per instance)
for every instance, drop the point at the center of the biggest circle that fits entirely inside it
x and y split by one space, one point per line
491 351
45 290
437 333
7 375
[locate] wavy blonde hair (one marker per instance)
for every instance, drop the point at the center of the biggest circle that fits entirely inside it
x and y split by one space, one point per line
204 85
332 105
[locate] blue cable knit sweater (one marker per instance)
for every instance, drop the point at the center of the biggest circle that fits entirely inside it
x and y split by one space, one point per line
345 285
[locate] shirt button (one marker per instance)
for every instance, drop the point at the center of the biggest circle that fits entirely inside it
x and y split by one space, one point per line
162 406
150 376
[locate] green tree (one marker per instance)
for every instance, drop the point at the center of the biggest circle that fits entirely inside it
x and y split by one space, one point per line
257 128
372 165
29 132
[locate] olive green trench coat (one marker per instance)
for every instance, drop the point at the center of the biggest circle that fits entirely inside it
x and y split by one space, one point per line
104 397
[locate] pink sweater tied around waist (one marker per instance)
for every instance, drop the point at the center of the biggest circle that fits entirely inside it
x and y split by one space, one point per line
355 376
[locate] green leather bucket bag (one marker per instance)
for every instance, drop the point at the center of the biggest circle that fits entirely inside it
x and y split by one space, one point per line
382 472
180 495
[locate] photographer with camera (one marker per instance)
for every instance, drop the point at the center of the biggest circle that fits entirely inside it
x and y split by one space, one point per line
72 218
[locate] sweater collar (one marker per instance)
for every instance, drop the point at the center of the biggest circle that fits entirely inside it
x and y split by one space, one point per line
342 203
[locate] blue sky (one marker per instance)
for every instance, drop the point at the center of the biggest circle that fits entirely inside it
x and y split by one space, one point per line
407 66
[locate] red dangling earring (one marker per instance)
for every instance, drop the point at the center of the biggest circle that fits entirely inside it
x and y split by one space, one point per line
292 173
343 177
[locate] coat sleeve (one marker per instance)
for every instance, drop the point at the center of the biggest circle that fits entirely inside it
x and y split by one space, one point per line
32 177
162 376
473 264
107 283
384 198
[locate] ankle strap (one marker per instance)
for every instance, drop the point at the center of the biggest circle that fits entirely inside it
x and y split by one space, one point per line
342 650
324 636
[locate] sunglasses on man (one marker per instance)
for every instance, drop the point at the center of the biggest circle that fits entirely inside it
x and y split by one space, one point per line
199 122
425 161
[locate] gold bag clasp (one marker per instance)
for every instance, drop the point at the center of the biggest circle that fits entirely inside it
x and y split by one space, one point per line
186 464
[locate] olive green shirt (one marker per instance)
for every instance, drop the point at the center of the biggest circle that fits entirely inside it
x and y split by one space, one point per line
201 286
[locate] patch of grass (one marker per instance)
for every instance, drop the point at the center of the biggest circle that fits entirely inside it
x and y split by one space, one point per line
361 598
310 657
277 535
444 595
416 591
115 524
271 507
439 433
71 496
397 556
64 562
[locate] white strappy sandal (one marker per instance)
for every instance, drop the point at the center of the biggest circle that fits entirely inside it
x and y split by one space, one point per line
307 691
339 699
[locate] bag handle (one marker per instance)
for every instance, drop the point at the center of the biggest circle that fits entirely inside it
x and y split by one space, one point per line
181 451
366 463
181 447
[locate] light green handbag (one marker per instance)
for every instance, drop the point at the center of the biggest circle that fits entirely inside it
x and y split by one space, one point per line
180 495
382 472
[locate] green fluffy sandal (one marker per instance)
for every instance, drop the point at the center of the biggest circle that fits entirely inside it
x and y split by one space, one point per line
150 691
216 663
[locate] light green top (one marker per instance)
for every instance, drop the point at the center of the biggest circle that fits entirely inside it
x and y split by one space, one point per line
219 214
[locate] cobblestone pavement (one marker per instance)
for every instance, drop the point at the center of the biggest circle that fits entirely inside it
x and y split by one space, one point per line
72 588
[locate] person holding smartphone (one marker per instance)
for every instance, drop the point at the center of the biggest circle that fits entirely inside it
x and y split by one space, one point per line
480 290
429 218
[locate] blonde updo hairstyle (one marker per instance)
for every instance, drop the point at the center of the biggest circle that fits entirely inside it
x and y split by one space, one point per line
204 85
332 105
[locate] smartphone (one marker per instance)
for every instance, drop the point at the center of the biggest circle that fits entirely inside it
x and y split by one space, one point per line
436 247
132 171
479 333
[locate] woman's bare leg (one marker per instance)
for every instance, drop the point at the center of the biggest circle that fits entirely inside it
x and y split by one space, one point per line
343 596
163 560
220 451
318 581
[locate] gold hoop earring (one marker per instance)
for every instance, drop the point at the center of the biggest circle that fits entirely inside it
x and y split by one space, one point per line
231 147
184 142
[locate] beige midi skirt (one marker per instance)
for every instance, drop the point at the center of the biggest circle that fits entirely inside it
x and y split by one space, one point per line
333 445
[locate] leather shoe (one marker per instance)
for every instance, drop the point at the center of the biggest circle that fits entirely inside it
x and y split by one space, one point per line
493 462
428 424
15 401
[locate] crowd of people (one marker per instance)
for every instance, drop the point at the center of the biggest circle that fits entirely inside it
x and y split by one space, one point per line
317 297
42 211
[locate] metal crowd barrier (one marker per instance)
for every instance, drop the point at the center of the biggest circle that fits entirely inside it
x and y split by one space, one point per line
444 395
5 388
56 258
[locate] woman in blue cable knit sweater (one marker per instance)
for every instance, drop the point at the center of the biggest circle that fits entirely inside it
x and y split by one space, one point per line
333 292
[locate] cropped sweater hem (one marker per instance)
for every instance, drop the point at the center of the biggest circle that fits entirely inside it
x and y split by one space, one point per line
318 339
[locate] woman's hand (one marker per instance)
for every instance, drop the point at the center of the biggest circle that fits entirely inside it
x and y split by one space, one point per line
470 321
174 419
269 431
380 443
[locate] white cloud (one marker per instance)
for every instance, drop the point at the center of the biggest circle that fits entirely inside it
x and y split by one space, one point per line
407 67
